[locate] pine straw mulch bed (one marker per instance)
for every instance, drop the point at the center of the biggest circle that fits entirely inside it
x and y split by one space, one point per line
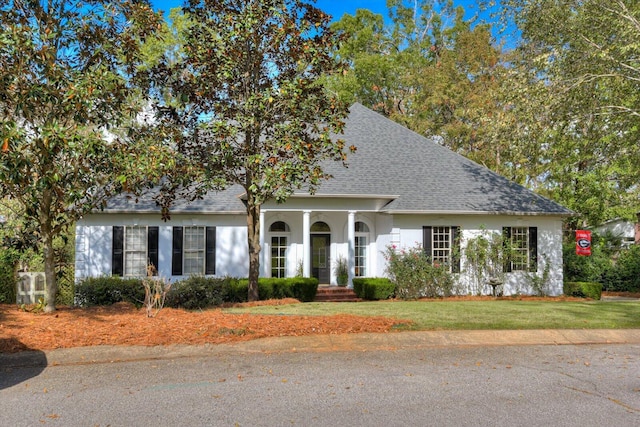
123 324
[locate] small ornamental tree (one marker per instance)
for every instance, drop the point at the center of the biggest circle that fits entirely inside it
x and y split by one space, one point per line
69 95
247 106
485 256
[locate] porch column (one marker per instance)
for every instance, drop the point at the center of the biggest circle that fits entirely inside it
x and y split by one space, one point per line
351 237
263 250
306 244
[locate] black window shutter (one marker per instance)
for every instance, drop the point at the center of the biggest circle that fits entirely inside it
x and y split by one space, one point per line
152 247
427 241
176 252
210 251
506 248
117 251
533 249
455 249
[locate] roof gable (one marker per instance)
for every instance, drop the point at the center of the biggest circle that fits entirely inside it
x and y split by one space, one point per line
427 177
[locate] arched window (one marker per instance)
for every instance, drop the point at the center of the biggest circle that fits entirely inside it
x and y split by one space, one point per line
279 227
320 227
361 227
279 235
361 248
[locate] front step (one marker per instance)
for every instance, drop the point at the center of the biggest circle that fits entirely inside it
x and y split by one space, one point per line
335 294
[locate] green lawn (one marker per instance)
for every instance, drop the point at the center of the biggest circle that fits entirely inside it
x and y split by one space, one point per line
443 315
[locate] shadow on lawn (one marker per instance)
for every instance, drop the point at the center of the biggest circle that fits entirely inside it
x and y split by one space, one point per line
19 363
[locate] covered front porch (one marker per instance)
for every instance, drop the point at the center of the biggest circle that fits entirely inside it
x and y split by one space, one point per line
310 242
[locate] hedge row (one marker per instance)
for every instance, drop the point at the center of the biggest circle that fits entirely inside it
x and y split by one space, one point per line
591 290
300 288
377 288
196 292
109 290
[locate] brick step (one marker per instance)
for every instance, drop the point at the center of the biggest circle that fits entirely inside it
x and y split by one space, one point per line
335 294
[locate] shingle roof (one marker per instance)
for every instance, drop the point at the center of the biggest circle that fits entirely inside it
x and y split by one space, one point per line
391 160
227 201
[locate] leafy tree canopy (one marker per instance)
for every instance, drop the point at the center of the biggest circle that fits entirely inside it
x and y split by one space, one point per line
247 103
428 68
581 110
70 94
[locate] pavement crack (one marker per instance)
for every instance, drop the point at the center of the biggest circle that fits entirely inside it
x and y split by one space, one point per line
628 408
624 405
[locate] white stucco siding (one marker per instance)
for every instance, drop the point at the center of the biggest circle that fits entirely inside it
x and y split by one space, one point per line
95 234
93 250
94 242
232 254
385 237
549 243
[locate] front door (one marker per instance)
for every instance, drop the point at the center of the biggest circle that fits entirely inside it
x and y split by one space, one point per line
320 259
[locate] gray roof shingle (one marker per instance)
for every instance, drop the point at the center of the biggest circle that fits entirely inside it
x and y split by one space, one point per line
391 160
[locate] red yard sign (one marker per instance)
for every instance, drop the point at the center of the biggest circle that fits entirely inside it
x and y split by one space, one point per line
583 242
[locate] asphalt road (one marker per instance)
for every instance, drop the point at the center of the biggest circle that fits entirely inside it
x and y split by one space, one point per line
540 385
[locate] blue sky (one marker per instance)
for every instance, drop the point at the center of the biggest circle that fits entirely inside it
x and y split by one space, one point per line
337 8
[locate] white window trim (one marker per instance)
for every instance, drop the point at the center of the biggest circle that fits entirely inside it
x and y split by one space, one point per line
524 251
278 234
202 250
127 252
442 255
284 257
367 249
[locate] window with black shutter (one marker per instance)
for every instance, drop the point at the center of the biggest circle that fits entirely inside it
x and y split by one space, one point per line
441 244
521 248
193 251
210 260
134 248
117 251
152 248
176 252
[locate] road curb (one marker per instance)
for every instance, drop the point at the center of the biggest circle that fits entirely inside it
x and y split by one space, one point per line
323 343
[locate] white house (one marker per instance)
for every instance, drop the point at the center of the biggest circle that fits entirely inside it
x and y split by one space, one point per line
400 189
627 231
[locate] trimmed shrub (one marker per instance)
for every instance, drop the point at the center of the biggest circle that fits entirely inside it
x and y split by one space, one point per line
239 291
304 289
300 288
109 290
591 290
194 293
373 288
199 292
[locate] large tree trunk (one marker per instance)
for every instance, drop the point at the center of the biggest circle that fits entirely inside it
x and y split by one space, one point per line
253 232
51 287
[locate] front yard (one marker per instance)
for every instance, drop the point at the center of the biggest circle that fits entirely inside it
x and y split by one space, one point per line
486 314
123 324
